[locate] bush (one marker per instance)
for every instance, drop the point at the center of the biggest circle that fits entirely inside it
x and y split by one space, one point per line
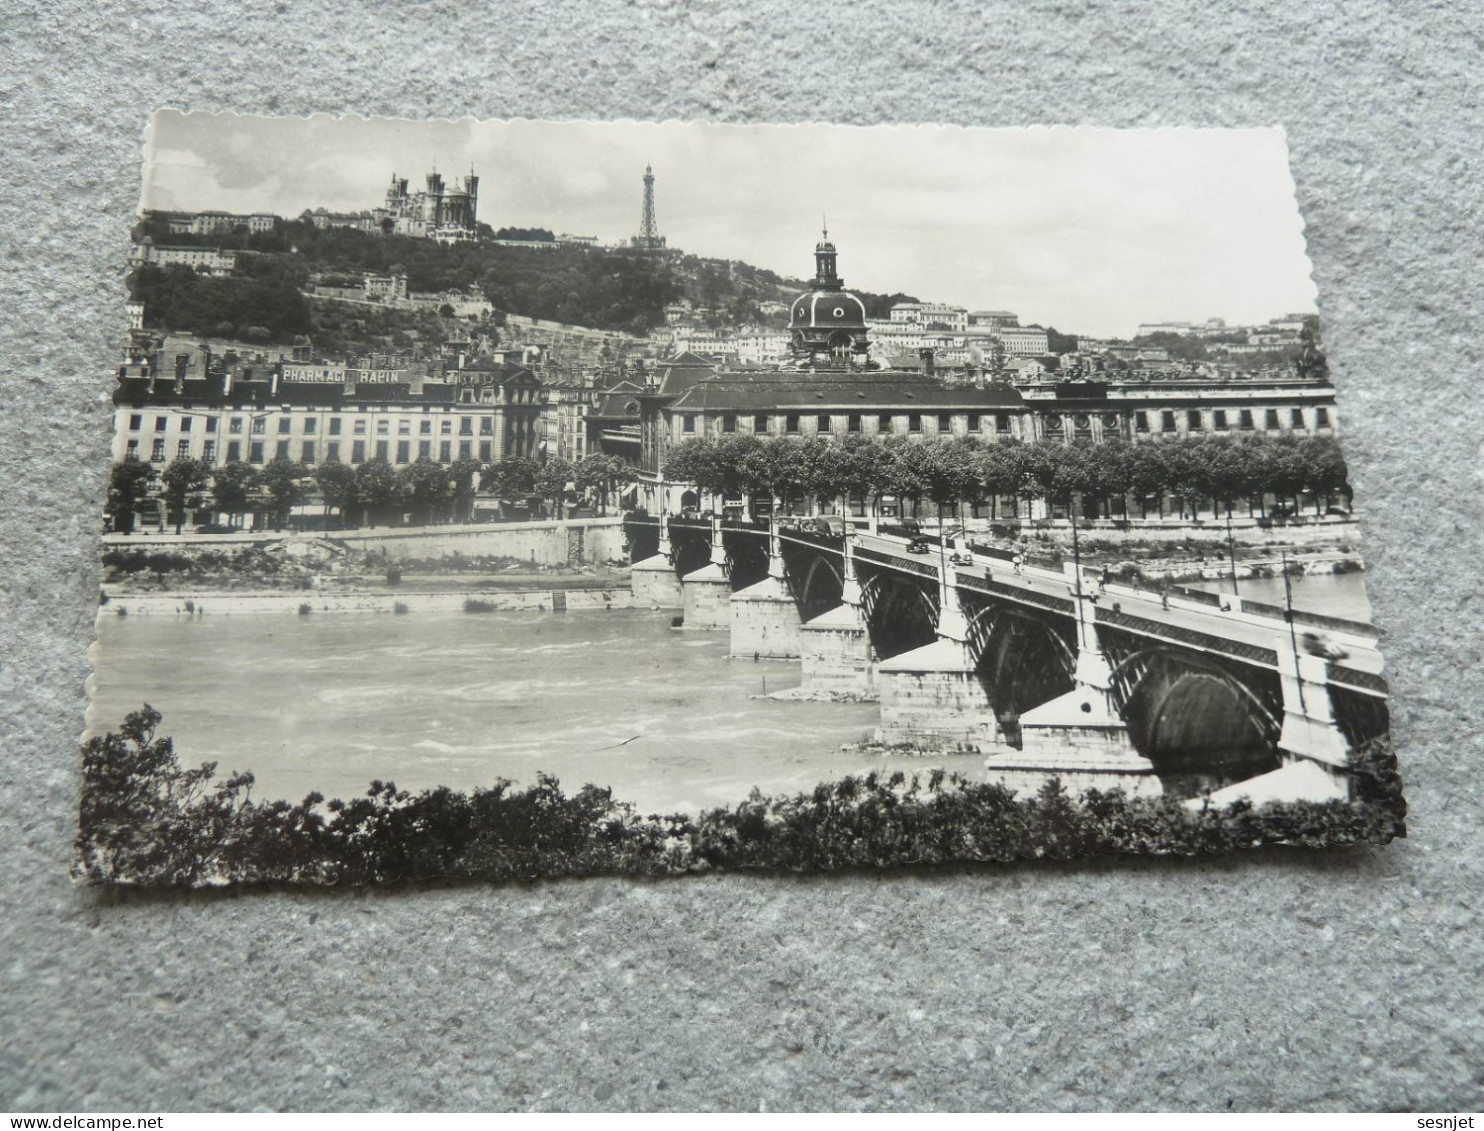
399 609
146 820
304 609
475 605
394 575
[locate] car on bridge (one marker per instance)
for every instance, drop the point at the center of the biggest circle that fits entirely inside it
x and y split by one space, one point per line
919 546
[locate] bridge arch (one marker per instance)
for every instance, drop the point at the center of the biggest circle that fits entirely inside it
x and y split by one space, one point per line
820 588
1201 723
1023 660
901 614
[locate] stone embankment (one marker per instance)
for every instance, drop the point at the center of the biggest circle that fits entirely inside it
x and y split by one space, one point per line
207 603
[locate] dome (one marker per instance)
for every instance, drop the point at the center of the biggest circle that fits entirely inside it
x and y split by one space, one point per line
827 309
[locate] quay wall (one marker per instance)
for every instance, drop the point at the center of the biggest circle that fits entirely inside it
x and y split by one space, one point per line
569 542
206 603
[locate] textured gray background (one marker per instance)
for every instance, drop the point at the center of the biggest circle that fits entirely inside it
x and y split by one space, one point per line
1271 980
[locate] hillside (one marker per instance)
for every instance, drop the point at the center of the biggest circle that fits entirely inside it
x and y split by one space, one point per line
607 289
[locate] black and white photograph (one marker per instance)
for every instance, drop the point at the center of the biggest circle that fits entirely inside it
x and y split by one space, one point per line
517 499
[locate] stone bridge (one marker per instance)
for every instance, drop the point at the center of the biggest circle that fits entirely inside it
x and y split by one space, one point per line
1048 672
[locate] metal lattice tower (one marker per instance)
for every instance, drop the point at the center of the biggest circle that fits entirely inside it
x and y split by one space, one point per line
649 237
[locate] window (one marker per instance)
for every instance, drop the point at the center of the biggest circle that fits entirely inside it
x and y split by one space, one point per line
311 425
424 427
945 422
183 450
486 426
973 422
760 425
360 428
1244 418
334 426
728 422
914 422
1167 420
383 449
1296 417
160 422
185 423
853 422
332 452
404 451
211 424
688 422
1218 419
1141 422
132 449
445 427
259 425
358 451
445 451
383 427
208 451
234 426
1270 419
466 426
486 451
234 451
285 425
135 422
308 450
791 422
1002 422
157 452
1321 417
1193 420
883 423
281 449
404 428
822 424
255 452
465 449
425 449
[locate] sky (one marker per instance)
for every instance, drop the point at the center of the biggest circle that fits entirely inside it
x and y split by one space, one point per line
1092 231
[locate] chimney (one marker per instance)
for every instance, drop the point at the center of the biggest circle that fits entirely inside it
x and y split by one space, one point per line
928 367
227 374
273 383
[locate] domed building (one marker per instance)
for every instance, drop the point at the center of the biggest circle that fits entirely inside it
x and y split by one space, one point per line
827 321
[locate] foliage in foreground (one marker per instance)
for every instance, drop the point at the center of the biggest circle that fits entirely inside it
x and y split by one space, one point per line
148 821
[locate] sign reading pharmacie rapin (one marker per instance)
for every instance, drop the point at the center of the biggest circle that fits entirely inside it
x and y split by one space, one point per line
832 497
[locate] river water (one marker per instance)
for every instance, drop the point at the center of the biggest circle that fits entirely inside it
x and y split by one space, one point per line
616 699
1332 594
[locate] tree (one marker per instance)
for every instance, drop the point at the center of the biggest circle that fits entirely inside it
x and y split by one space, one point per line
464 476
512 477
183 482
337 487
427 489
602 473
551 483
128 486
376 486
281 480
231 488
143 818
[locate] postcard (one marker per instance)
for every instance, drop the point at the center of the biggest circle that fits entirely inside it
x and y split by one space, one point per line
501 500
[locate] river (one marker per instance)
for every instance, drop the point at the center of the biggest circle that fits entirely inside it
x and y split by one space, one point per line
1332 594
617 699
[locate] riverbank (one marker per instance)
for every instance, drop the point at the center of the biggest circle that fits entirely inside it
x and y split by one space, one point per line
216 603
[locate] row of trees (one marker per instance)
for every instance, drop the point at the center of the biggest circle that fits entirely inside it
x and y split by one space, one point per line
430 492
1104 477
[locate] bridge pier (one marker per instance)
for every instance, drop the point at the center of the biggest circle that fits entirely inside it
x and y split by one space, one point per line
932 697
835 648
1078 737
764 618
706 592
